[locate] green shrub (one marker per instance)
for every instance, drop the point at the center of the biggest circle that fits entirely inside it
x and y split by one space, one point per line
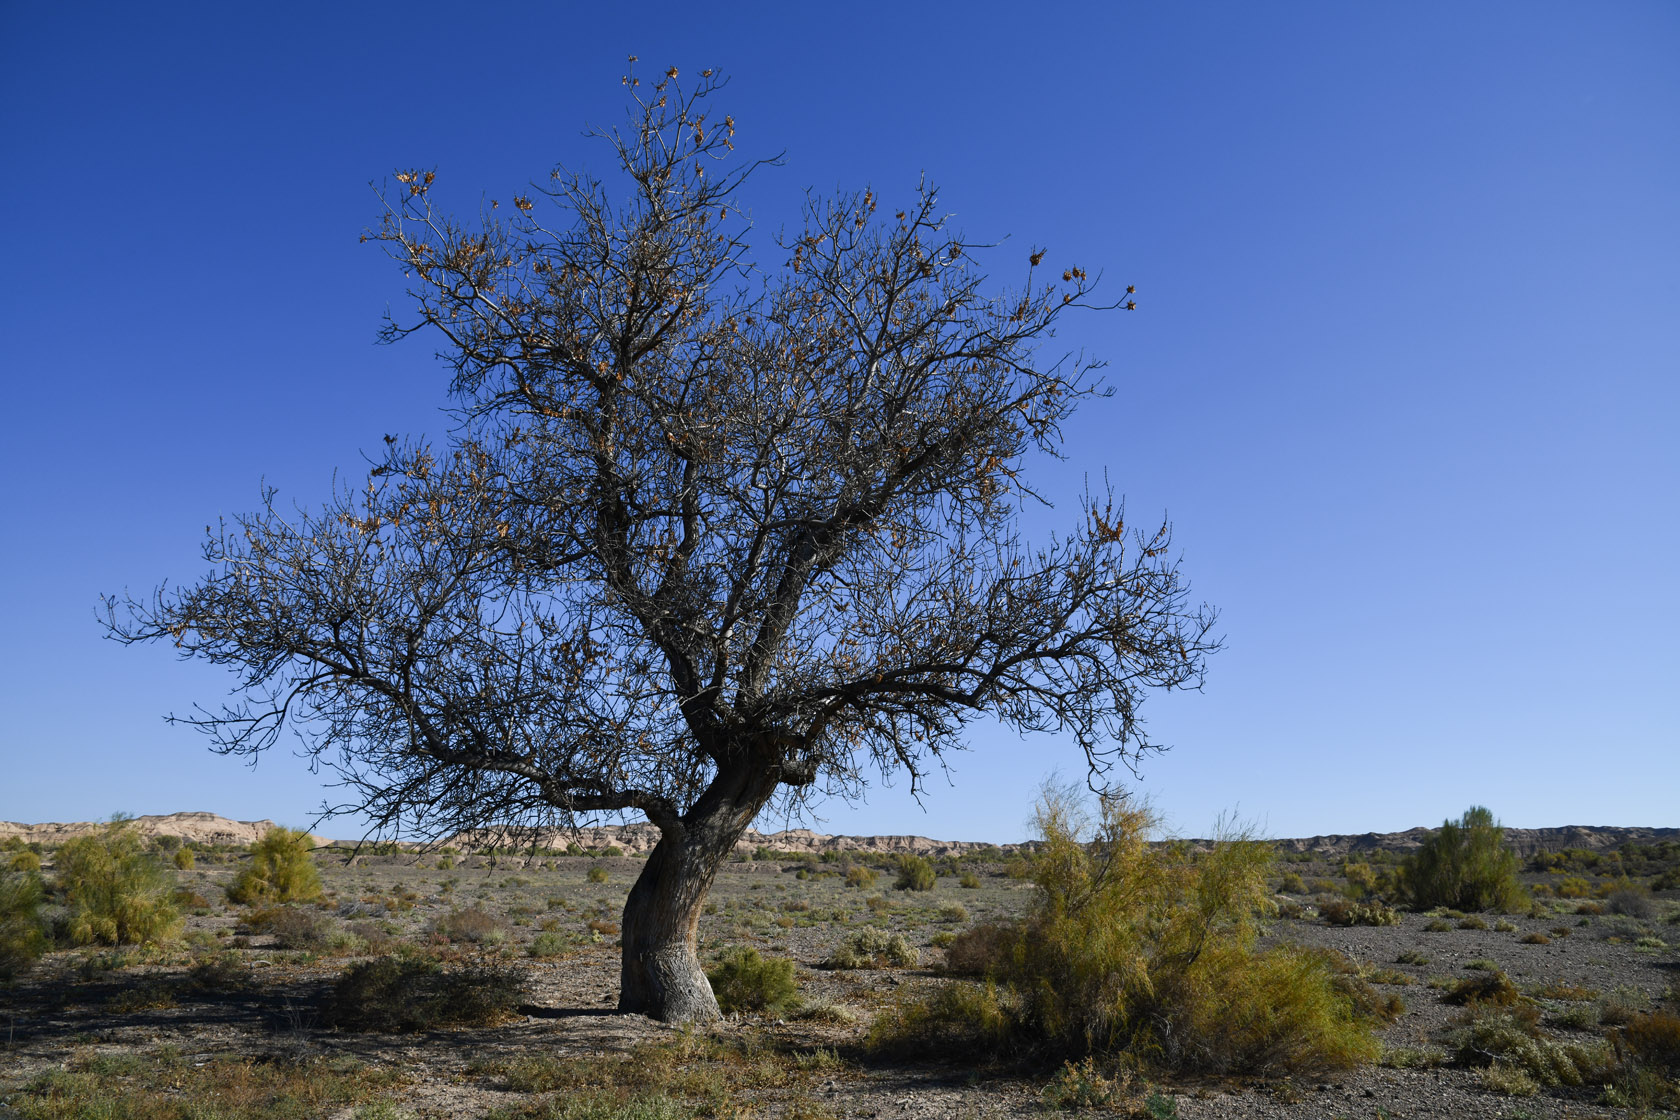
1343 912
597 874
1632 903
25 861
281 870
983 950
860 876
914 874
874 948
473 924
1464 865
548 944
1512 1044
183 859
116 886
397 994
1148 949
968 880
955 1017
1492 988
1085 1085
953 912
291 927
22 932
1292 883
744 981
1655 1039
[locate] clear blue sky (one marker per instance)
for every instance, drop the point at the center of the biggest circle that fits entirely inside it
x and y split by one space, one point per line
1404 370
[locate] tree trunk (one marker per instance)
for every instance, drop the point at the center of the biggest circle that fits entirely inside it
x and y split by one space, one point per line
661 975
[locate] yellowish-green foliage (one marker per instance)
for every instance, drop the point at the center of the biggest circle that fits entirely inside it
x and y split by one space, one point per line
164 1085
1151 950
22 937
914 874
745 981
281 870
116 886
25 861
1465 865
183 859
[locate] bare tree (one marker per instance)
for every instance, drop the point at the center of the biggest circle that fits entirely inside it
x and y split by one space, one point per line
709 532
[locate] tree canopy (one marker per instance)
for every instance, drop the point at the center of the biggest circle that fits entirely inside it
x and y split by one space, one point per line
713 526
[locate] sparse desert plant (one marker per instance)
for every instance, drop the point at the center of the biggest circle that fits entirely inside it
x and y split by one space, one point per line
914 874
22 931
185 898
1655 1039
291 927
281 870
116 886
860 876
982 950
1498 1039
968 880
1621 1005
1412 956
742 980
1361 879
1149 949
597 874
954 1017
953 912
183 859
1086 1085
1464 865
1631 903
874 948
1472 922
399 994
473 924
1292 883
1344 912
1563 990
24 861
548 944
1492 988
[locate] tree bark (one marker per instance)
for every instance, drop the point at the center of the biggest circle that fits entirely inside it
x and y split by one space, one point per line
660 975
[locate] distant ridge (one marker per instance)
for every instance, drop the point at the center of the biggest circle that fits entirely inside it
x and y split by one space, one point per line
211 828
200 828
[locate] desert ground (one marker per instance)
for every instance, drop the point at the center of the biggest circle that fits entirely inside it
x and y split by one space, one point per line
228 1016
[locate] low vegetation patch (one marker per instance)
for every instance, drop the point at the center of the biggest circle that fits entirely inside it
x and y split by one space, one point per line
163 1085
292 927
1464 865
281 870
117 888
1147 950
1345 912
914 874
742 980
400 994
23 935
1491 988
874 948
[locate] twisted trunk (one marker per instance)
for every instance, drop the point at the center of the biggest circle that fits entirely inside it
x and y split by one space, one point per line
660 975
